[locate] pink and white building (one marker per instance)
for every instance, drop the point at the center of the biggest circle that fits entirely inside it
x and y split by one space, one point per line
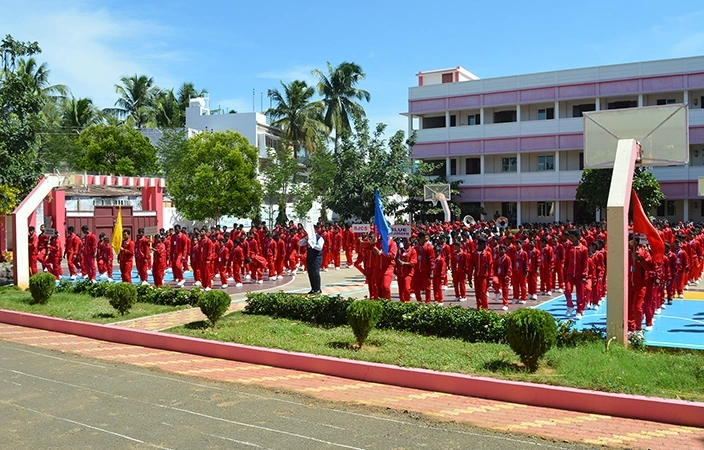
516 142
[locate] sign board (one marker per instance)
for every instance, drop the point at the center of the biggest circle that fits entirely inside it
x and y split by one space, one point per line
47 221
151 231
50 231
400 231
361 228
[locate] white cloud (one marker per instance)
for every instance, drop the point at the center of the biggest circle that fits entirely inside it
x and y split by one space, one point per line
89 48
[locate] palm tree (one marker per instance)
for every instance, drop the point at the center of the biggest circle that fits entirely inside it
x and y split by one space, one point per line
299 118
167 109
39 75
339 91
136 99
185 93
79 114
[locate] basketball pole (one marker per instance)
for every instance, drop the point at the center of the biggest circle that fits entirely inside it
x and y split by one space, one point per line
627 152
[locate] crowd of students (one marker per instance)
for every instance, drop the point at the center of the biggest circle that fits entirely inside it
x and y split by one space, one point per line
513 266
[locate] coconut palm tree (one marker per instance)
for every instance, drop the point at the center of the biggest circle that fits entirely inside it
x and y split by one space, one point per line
79 114
167 109
136 99
185 93
339 94
300 118
39 75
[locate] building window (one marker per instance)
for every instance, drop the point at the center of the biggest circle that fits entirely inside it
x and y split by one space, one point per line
473 166
623 104
434 122
546 113
271 142
509 164
447 78
546 209
453 120
474 119
505 116
510 211
577 110
666 101
581 160
667 208
546 162
453 167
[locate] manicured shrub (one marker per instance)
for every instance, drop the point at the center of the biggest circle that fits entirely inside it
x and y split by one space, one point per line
362 315
530 333
122 296
214 304
42 286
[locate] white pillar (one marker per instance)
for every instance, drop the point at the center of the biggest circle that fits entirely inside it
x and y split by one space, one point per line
447 167
686 97
518 162
481 116
557 109
447 119
518 113
557 211
519 211
481 164
640 100
557 161
598 104
410 125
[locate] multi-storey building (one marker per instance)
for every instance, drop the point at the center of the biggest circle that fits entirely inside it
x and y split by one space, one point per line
516 142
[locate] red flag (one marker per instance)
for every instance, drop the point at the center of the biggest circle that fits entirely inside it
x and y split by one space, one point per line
641 224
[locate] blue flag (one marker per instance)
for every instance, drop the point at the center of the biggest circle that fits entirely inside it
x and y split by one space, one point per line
382 226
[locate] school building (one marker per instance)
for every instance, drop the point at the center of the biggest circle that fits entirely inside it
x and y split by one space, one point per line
516 142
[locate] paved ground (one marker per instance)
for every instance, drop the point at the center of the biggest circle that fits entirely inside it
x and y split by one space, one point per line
555 425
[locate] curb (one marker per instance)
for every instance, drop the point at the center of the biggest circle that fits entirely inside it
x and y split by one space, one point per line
675 412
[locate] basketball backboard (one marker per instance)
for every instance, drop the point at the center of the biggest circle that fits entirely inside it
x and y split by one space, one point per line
436 192
662 131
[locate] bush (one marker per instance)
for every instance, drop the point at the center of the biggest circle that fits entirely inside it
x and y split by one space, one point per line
362 315
122 296
569 336
214 304
42 286
530 333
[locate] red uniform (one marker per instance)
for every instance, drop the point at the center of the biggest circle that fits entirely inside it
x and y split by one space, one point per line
53 257
179 254
383 270
423 271
33 252
439 268
73 251
207 258
404 273
576 272
125 259
90 250
143 258
159 263
504 273
459 267
640 267
482 262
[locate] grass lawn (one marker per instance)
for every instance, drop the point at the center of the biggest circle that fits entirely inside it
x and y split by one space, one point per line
80 307
651 373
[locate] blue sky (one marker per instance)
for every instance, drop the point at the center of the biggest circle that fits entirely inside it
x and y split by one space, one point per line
233 48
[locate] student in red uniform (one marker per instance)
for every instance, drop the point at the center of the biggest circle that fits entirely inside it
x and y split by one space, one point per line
223 259
43 247
383 271
90 250
641 264
143 256
207 258
107 254
159 260
459 267
423 273
576 271
533 268
72 252
520 271
53 256
439 268
257 264
480 272
280 256
547 267
237 258
126 256
179 254
33 251
504 272
405 265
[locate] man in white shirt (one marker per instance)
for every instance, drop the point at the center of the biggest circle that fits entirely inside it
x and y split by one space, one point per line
314 258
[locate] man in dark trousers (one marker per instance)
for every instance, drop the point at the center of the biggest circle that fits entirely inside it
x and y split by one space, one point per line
314 258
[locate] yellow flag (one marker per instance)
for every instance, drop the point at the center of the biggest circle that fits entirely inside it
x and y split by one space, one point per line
116 240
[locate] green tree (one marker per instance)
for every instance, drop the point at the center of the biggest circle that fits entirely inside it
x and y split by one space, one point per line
136 96
20 117
593 189
116 150
217 177
321 173
171 149
185 93
278 172
365 162
298 117
78 114
39 76
339 92
167 110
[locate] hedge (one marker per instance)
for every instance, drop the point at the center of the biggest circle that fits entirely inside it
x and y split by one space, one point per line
164 295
